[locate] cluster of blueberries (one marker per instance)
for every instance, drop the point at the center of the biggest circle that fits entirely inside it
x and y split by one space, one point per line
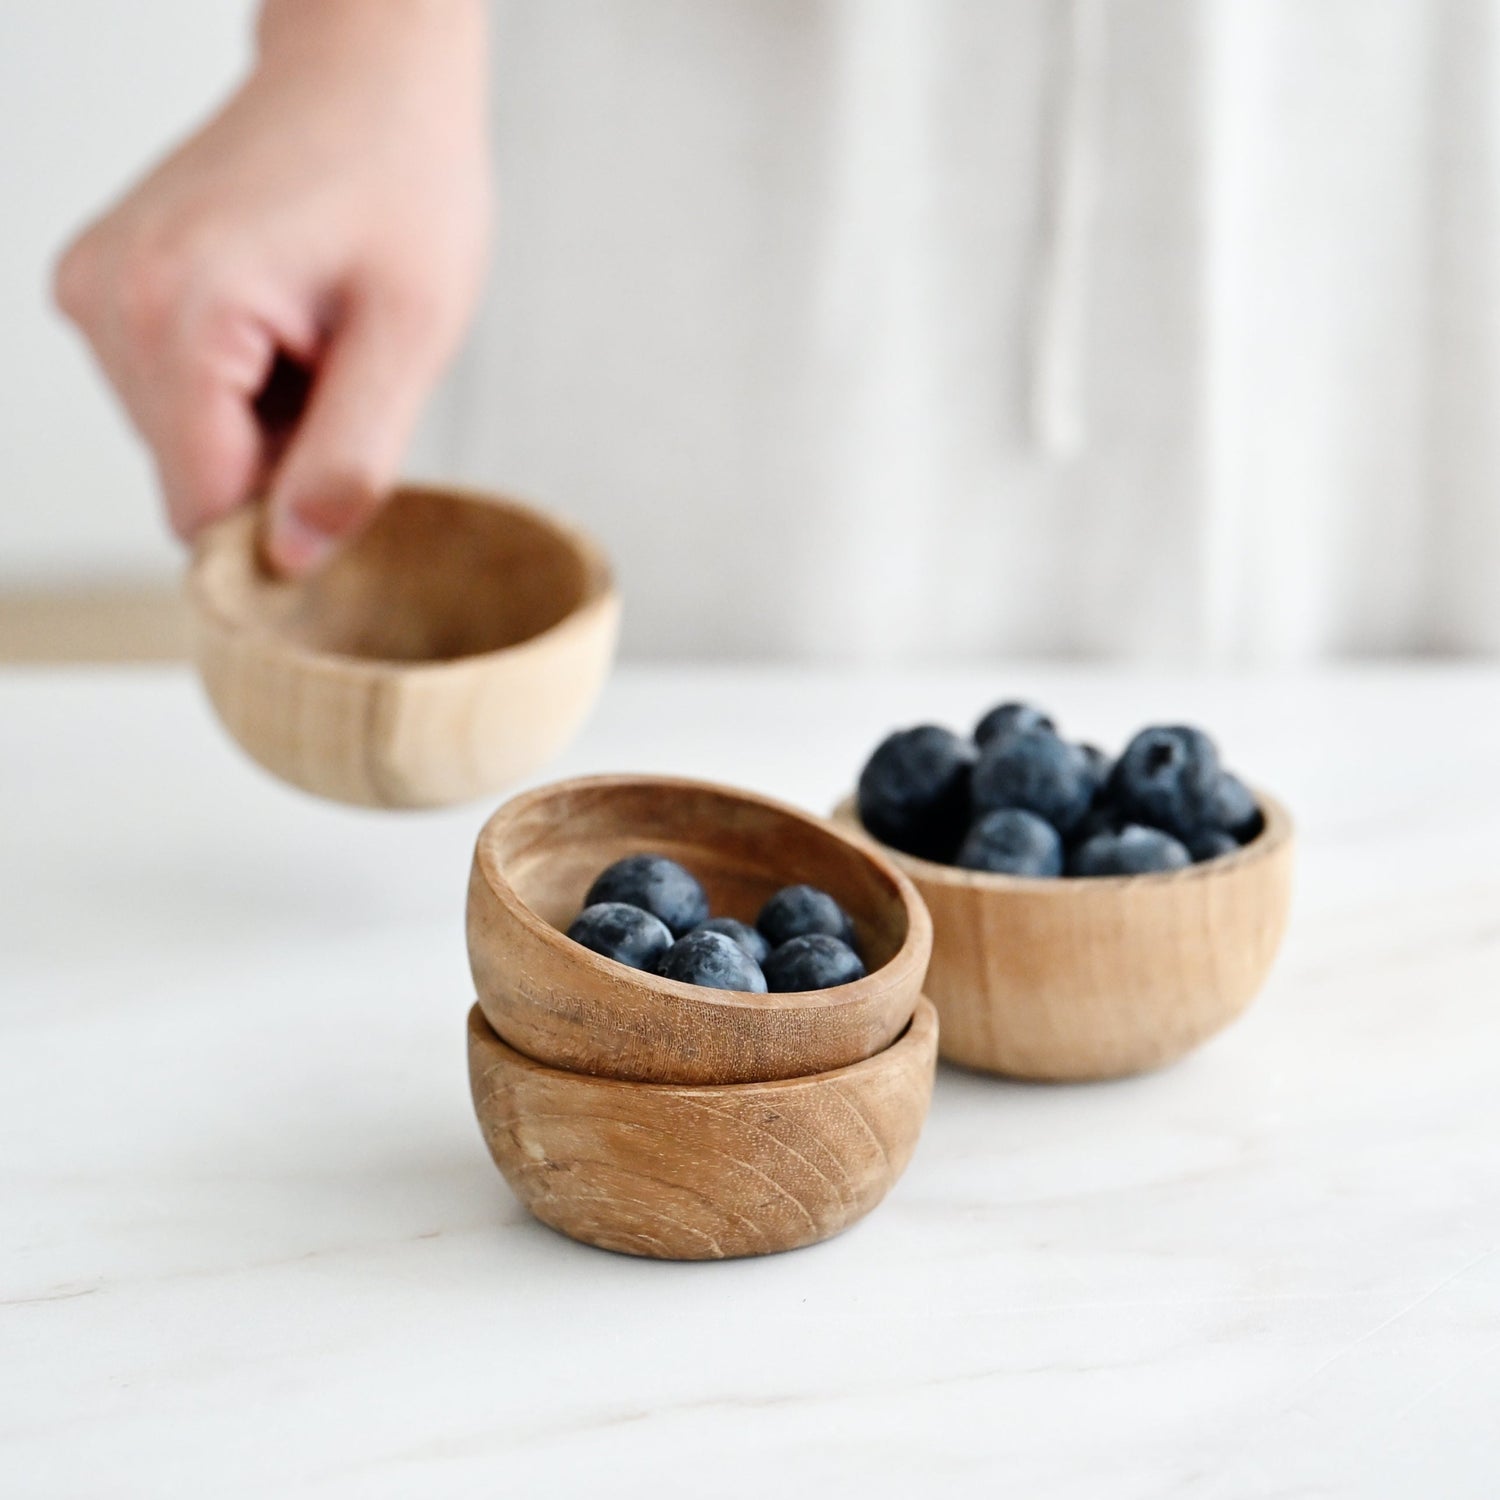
1018 799
649 912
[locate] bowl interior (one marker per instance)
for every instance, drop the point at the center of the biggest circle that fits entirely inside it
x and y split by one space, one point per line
436 576
742 849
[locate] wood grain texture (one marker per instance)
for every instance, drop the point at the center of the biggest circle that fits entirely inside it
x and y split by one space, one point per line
451 649
566 1006
702 1173
1086 979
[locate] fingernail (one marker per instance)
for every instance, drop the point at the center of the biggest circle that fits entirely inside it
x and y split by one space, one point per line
296 545
338 509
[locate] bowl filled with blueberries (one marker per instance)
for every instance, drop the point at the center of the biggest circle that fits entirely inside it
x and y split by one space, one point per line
660 930
1093 916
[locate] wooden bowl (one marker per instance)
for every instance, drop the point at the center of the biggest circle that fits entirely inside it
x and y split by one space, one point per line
564 1005
702 1173
452 648
1082 979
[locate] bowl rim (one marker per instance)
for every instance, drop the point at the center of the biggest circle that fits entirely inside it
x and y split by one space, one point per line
1279 831
919 1032
915 949
600 596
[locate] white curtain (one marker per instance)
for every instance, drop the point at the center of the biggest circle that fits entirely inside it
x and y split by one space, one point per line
903 329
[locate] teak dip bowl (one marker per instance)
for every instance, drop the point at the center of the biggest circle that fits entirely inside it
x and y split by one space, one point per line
565 1006
702 1172
1075 979
454 646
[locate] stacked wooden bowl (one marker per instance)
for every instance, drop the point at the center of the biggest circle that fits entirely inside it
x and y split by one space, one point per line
663 1119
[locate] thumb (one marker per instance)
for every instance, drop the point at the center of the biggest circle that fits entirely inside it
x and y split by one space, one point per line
346 452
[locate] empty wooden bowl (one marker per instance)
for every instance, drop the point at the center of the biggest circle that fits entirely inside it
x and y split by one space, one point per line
707 1172
453 647
565 1006
1084 979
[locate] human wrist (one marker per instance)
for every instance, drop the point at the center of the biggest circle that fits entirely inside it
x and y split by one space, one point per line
291 29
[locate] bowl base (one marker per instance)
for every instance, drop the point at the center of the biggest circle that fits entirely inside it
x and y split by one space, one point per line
702 1172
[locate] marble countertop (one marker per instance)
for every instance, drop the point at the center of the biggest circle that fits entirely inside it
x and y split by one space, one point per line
251 1243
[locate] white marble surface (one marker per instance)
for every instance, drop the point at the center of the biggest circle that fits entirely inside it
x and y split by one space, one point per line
251 1245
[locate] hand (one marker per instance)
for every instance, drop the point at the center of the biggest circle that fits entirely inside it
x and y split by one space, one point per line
330 222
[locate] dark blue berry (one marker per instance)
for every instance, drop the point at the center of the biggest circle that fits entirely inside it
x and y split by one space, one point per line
914 791
740 932
1037 772
813 962
796 910
624 933
1211 843
1132 851
1011 718
712 960
655 884
1012 842
1102 817
1099 764
1168 778
1235 809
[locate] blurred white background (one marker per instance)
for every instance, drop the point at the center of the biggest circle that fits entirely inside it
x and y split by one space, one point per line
893 331
90 92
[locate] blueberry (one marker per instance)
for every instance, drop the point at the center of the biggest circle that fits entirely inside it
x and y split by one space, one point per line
660 886
624 933
1235 809
796 910
1099 764
914 791
1132 851
1211 843
712 960
1102 817
1012 842
812 962
1168 778
1011 718
740 932
1037 772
